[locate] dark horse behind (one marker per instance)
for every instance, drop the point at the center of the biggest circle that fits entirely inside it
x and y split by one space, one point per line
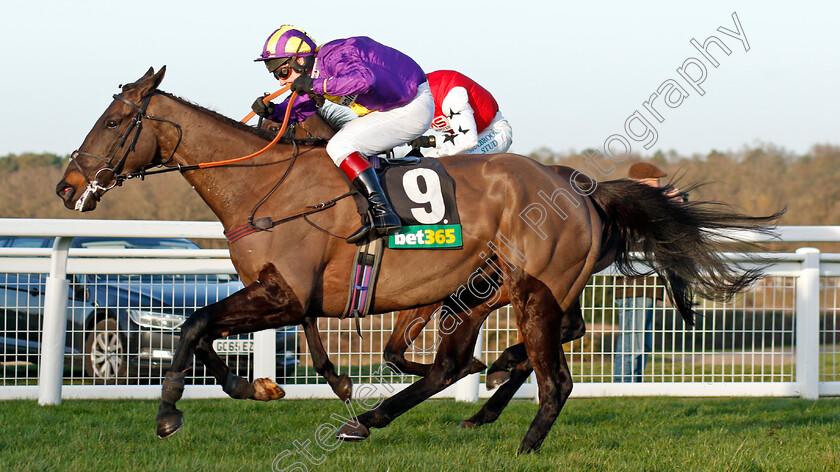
299 270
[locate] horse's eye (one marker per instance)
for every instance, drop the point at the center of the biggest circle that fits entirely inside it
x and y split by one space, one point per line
111 124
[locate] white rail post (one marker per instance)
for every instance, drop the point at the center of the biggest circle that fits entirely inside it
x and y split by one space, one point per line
808 324
54 325
265 354
466 389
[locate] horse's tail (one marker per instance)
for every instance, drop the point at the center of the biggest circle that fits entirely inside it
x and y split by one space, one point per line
682 241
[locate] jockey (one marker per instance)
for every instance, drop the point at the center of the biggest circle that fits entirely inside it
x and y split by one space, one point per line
466 115
384 86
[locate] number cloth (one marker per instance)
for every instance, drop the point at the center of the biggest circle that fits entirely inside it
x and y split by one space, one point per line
422 194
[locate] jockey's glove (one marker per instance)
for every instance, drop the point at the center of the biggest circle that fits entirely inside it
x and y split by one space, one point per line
423 141
303 85
261 108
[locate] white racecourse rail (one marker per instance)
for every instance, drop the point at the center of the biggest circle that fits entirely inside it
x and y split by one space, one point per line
779 338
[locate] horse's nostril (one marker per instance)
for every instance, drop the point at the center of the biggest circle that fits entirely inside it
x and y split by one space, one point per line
66 191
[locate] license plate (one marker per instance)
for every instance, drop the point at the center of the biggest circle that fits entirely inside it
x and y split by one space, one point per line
233 346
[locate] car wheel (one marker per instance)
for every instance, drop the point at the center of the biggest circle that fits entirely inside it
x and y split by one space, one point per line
105 359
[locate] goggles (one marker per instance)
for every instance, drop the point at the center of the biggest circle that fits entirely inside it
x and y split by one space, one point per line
281 68
282 72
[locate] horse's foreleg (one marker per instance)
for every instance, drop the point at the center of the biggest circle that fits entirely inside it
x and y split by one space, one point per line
267 303
341 385
452 362
235 386
232 384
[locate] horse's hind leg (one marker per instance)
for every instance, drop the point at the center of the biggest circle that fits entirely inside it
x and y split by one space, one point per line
341 385
452 362
572 327
500 371
267 303
540 322
410 324
491 410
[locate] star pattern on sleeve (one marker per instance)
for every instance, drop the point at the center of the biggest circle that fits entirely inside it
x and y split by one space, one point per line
449 138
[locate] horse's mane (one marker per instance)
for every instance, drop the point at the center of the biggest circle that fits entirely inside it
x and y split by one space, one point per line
262 133
219 117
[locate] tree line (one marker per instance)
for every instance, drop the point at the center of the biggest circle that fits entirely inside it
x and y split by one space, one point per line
756 180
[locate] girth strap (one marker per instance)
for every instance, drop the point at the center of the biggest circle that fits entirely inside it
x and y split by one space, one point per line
364 272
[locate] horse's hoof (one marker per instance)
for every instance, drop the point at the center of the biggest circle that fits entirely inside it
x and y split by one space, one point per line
169 423
467 424
353 431
344 387
523 449
266 390
529 446
497 379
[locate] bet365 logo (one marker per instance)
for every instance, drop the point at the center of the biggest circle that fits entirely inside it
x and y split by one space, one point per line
426 237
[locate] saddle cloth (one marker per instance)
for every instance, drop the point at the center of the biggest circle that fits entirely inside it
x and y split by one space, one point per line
423 195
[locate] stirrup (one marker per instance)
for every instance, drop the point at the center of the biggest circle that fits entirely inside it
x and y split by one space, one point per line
362 235
370 232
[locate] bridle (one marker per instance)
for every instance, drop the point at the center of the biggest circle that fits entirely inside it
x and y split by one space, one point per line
262 224
135 127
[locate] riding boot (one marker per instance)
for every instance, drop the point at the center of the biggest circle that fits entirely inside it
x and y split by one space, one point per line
364 179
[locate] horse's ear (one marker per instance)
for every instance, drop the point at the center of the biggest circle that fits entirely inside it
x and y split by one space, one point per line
146 84
157 78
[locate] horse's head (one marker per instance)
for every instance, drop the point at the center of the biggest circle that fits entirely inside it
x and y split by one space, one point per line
116 145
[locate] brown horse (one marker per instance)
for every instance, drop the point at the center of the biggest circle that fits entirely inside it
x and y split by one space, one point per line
299 270
410 323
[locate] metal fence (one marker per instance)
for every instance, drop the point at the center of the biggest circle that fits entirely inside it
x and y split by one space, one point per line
70 332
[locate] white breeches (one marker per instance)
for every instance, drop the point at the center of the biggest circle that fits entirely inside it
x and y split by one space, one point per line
380 131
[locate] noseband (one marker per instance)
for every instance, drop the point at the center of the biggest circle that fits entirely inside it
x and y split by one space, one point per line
134 127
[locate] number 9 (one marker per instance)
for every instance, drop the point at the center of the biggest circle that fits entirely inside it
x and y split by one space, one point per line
433 196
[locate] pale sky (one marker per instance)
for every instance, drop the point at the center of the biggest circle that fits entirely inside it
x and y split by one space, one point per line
567 77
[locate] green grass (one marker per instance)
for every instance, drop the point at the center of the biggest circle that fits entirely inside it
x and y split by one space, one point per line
605 434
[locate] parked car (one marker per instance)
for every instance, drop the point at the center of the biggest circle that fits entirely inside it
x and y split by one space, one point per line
123 327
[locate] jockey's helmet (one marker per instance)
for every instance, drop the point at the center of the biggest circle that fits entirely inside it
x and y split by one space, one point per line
285 45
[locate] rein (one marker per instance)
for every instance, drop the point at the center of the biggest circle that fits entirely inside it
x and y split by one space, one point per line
207 165
136 126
